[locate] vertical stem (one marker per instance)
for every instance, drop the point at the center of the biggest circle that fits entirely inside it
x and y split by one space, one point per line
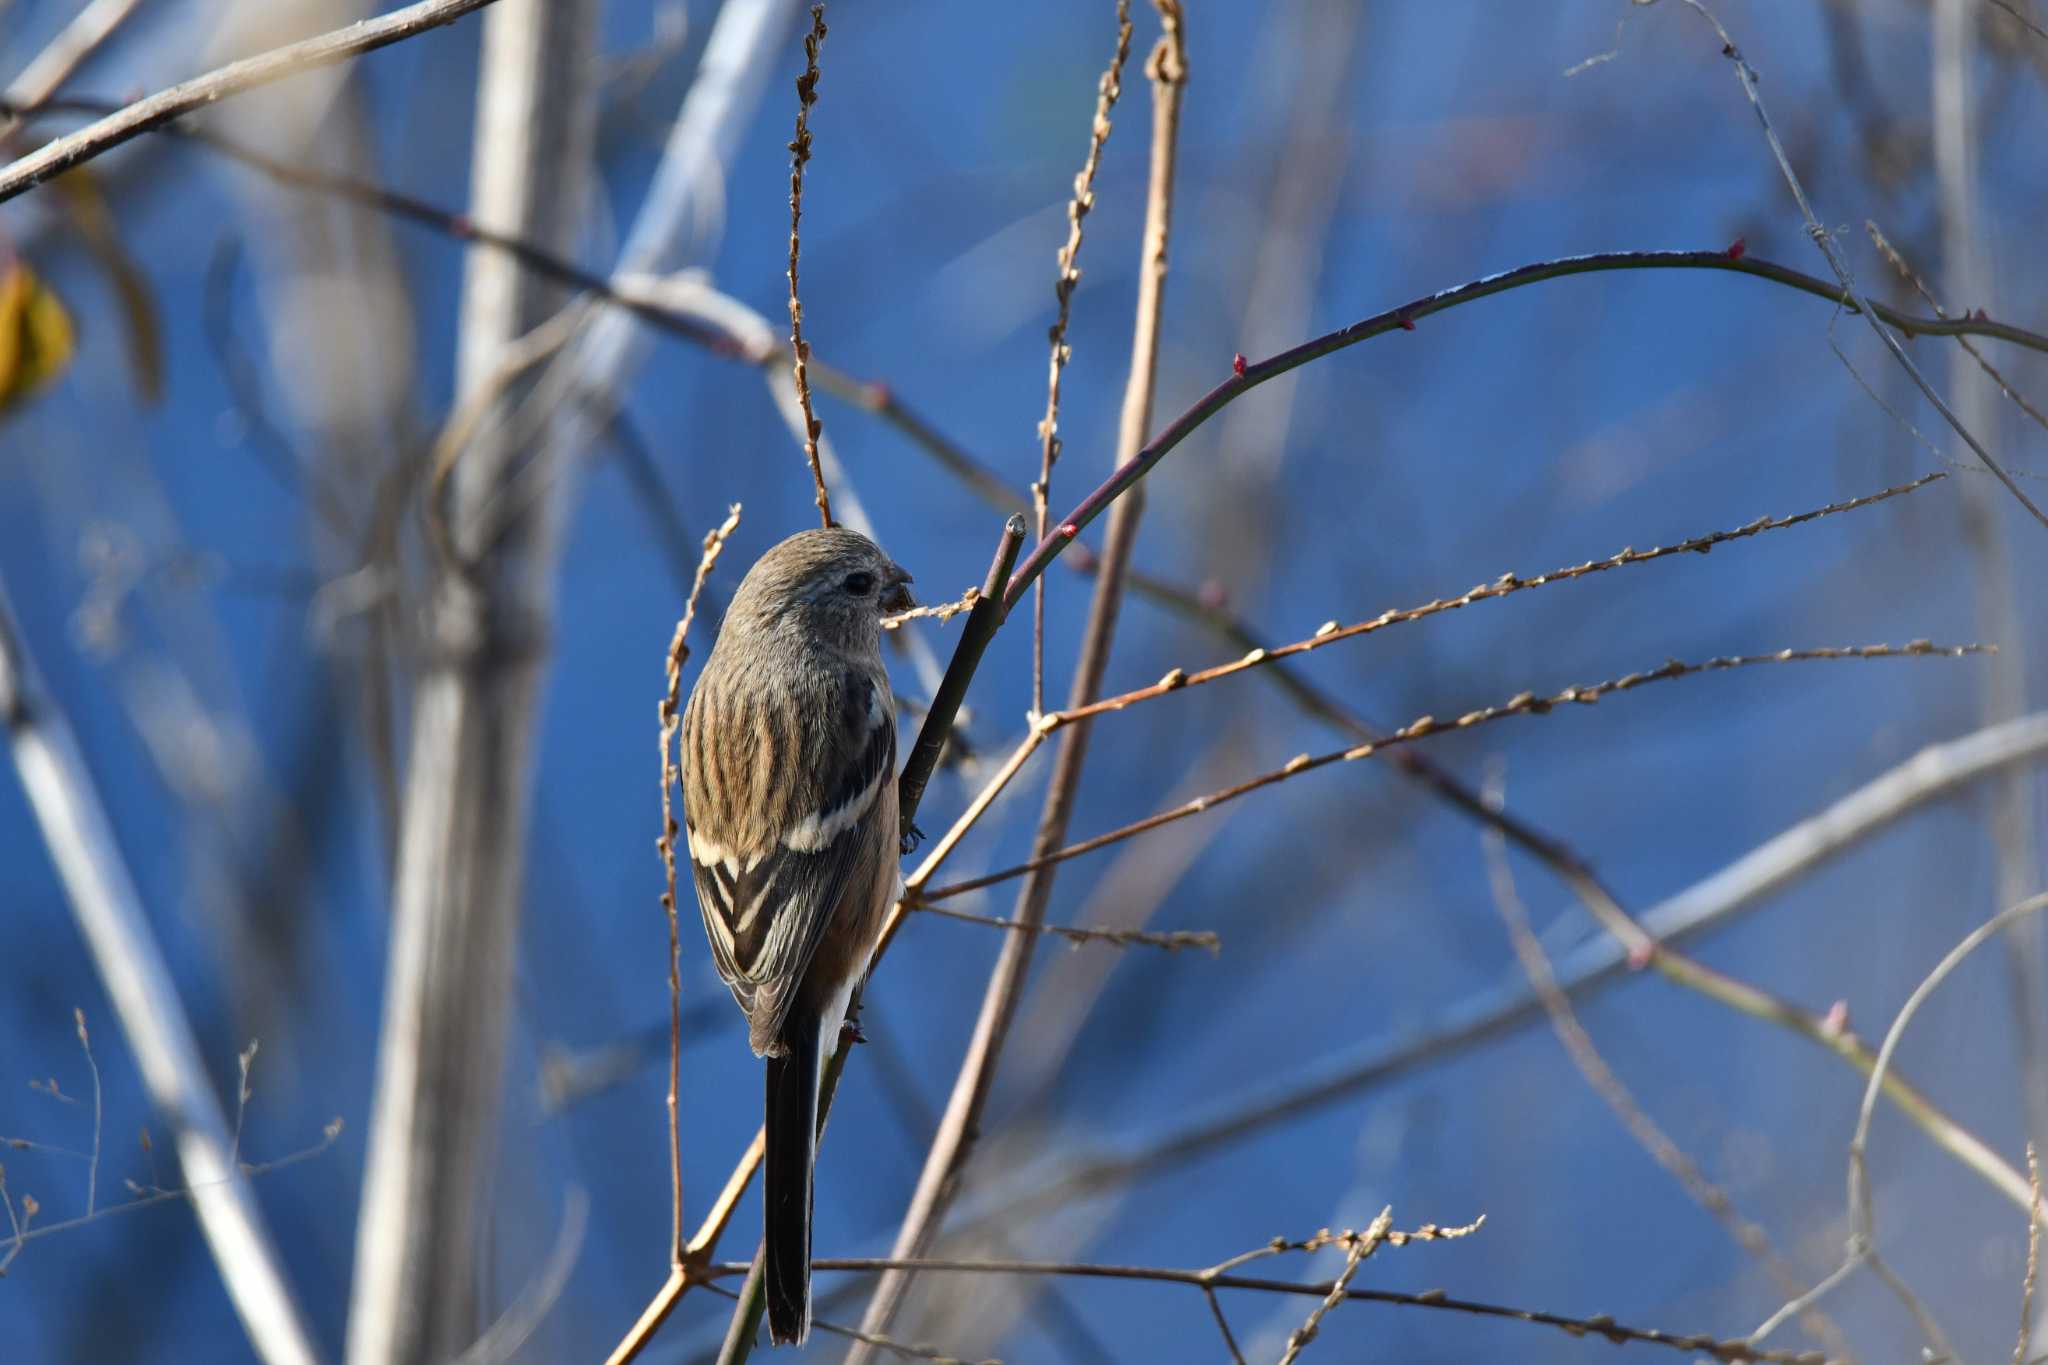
1967 283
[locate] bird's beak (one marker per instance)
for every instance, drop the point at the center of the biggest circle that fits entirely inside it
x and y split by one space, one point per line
895 594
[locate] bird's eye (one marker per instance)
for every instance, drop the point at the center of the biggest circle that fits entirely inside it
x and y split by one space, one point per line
859 583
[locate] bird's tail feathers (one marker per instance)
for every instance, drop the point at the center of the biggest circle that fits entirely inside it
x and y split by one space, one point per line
792 1146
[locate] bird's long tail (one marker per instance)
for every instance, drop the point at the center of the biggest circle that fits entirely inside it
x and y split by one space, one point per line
792 1145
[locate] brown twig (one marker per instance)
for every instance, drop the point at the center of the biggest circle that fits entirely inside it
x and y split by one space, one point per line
232 79
1107 88
1522 704
799 349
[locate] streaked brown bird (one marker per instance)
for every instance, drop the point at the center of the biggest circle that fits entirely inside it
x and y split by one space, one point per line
789 745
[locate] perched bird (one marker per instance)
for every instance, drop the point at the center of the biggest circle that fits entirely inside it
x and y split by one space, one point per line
789 756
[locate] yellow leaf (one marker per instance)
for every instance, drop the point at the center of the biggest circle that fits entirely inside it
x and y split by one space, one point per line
36 341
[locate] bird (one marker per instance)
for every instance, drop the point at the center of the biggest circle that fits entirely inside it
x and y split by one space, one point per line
789 808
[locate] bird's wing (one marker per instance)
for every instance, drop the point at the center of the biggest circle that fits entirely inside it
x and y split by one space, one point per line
774 858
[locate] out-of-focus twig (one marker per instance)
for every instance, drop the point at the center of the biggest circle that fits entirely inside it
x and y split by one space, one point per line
234 78
74 824
54 65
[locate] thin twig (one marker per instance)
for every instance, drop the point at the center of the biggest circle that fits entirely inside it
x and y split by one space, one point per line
671 717
1107 88
940 612
1522 704
1735 1352
1359 1248
92 1178
670 713
1172 941
799 349
232 79
18 1225
1899 263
